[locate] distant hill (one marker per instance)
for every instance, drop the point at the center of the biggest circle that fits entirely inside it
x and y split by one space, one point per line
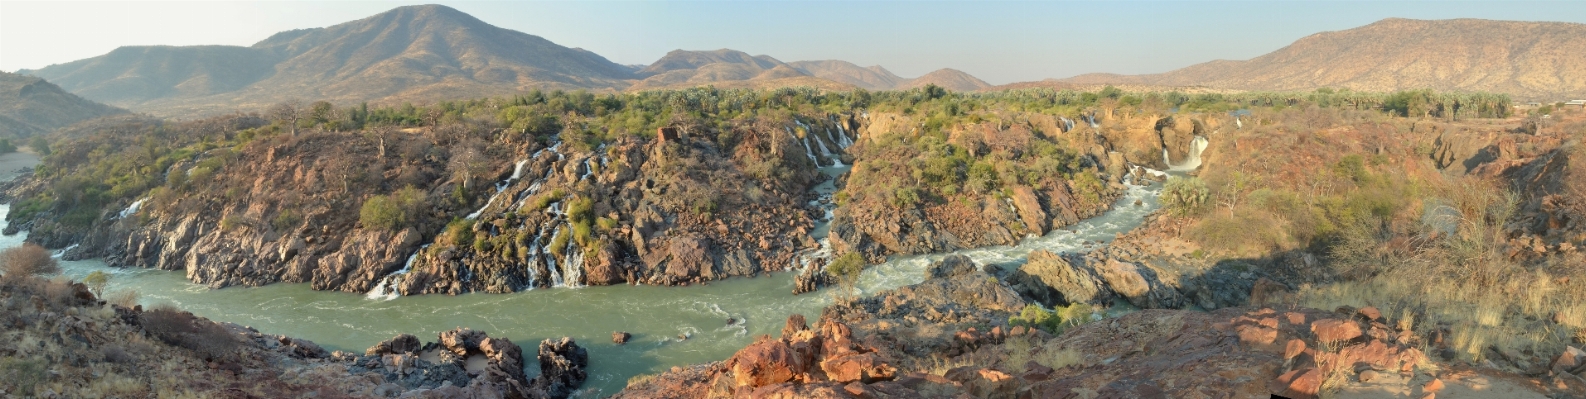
1544 60
30 106
409 53
952 79
869 78
732 68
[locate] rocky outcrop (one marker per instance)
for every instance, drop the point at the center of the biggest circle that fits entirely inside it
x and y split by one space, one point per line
1052 281
656 212
470 362
701 206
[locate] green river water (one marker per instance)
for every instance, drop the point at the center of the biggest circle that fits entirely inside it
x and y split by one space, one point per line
656 316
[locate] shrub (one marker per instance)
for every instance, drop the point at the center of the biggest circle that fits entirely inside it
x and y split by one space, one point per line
846 269
1184 195
27 260
380 212
96 282
23 374
1054 322
182 329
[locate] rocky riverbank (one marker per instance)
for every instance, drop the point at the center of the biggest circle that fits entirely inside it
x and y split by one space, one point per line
950 336
61 341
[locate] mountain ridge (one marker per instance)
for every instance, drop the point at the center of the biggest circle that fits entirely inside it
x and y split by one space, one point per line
1397 54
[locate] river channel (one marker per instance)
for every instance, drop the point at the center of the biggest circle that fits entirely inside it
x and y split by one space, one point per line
670 325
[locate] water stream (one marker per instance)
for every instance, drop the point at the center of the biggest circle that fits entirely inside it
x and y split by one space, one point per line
660 318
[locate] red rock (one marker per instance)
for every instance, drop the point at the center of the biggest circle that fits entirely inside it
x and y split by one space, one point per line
1367 376
764 363
857 389
1295 318
1569 360
1017 331
1257 335
1294 348
1370 313
1334 330
1433 386
994 375
1374 354
1036 372
1298 384
866 368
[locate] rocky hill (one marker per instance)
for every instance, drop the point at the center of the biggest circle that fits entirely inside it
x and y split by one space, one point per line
1541 60
870 78
948 78
409 53
732 68
30 105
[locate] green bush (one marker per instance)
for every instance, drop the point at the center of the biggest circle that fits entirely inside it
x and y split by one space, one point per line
380 212
1054 322
23 374
1184 195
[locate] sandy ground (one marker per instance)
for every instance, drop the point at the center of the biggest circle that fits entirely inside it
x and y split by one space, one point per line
11 164
1457 385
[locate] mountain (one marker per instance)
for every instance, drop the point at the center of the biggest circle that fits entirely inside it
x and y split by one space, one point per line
870 78
415 53
722 68
731 68
29 105
1544 60
951 79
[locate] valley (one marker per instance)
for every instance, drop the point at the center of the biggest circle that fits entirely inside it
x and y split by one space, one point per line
401 206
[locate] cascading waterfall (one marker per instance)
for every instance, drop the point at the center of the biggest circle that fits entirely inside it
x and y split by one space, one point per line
500 188
1239 123
1194 160
827 153
1092 120
386 287
550 261
807 152
589 170
1068 124
131 209
574 265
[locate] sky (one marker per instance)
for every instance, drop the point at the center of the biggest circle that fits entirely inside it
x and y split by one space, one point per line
1000 42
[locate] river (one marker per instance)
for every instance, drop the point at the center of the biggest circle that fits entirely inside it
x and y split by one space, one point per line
656 316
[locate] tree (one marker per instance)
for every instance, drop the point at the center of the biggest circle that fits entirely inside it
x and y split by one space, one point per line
1184 194
40 145
288 112
96 282
846 269
27 260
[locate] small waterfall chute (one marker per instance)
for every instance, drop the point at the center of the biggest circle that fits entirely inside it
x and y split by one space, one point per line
131 209
1197 145
386 287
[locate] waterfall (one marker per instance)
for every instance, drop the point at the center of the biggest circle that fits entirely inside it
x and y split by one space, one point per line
574 264
1239 123
807 151
589 170
1068 124
1193 161
386 287
550 261
843 141
131 209
501 187
826 153
1092 120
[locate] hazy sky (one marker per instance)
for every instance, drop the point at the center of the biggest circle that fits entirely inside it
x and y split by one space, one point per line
1000 42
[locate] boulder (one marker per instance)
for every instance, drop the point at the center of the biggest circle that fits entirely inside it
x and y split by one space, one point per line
866 368
1298 384
404 343
1334 330
563 368
1054 281
620 337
